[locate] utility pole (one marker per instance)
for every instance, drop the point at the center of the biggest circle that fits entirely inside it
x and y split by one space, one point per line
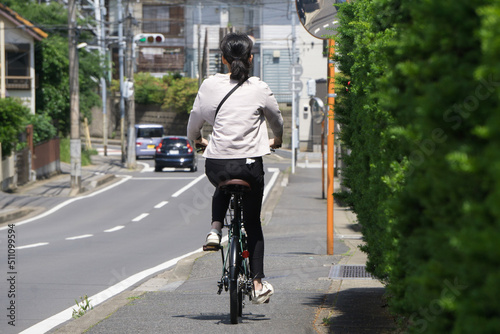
2 60
100 6
120 60
75 141
294 93
200 79
131 101
331 147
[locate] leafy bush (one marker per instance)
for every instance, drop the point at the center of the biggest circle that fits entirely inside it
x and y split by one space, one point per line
181 93
421 120
149 89
43 129
12 122
172 91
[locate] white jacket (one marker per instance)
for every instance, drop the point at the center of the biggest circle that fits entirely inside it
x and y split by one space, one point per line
240 129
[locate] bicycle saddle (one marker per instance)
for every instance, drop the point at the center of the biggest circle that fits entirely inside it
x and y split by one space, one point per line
236 184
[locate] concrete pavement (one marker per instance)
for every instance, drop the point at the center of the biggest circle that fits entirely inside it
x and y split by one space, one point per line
314 293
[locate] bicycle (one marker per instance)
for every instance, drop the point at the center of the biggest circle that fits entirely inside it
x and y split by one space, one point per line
235 269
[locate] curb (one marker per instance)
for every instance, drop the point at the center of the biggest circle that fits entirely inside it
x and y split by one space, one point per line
15 214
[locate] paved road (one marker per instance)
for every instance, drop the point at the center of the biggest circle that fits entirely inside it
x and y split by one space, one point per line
92 243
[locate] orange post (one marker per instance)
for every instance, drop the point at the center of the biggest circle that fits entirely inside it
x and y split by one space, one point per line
331 148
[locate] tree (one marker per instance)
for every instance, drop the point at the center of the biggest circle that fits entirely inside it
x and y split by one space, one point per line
52 67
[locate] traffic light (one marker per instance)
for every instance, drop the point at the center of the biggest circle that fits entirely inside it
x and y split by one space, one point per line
149 39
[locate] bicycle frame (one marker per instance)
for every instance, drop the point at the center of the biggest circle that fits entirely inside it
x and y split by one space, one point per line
238 252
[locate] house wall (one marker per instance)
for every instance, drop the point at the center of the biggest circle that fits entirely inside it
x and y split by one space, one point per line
14 36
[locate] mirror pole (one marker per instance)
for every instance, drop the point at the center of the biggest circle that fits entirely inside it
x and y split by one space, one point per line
330 146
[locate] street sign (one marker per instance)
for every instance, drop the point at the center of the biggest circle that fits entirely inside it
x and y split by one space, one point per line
295 86
296 70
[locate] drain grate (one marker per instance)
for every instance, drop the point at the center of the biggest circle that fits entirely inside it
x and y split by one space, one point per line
349 272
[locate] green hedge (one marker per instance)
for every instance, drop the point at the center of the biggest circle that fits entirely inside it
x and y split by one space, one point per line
12 122
421 119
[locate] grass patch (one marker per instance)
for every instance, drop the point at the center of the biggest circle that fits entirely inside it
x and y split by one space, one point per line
65 154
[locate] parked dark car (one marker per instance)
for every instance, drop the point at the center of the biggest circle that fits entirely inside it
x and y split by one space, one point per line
147 136
177 152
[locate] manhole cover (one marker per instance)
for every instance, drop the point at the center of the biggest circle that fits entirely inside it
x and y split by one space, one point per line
349 272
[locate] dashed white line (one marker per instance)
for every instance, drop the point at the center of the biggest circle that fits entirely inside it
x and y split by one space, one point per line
161 204
80 237
140 217
114 229
33 245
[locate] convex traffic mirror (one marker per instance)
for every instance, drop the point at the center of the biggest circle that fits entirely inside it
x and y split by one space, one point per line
319 17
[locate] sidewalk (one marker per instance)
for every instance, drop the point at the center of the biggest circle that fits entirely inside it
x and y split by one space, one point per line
313 293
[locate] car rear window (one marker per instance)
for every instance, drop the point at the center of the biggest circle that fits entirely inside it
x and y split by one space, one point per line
175 143
150 132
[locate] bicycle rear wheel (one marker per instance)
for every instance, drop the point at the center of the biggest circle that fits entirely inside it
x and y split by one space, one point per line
235 293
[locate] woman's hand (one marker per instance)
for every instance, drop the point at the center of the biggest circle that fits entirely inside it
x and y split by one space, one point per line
275 142
200 144
202 141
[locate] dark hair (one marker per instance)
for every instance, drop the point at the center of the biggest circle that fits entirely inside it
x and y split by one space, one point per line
237 49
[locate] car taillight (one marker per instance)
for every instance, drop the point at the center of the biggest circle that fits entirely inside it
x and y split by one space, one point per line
158 148
190 148
138 143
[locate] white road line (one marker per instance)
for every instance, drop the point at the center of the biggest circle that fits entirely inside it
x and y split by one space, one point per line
63 316
189 185
146 168
161 204
269 186
161 178
33 245
140 217
62 205
114 229
80 237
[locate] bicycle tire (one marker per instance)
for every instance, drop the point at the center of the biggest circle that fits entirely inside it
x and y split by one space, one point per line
235 294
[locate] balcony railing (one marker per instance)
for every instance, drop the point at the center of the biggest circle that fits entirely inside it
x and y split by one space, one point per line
20 83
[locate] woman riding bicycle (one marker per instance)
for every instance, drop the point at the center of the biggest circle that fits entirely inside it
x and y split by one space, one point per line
239 140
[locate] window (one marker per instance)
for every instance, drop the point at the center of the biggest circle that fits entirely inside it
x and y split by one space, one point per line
156 19
167 20
18 66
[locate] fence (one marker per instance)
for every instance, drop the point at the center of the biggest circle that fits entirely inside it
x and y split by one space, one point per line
27 165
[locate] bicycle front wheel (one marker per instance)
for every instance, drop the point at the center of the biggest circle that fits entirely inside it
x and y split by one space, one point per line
235 294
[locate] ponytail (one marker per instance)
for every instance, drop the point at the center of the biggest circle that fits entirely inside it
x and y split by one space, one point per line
237 49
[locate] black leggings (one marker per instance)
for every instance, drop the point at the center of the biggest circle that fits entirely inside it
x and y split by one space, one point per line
252 171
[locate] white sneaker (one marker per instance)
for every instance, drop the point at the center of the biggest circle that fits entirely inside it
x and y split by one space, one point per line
213 239
262 296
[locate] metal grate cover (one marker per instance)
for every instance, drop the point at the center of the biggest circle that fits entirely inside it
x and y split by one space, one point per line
349 272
